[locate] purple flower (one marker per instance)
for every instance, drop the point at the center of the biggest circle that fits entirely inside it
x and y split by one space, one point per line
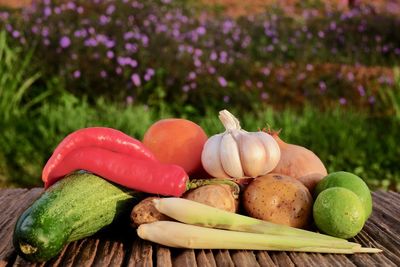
342 101
136 79
4 15
222 81
181 48
109 43
350 76
214 56
131 47
123 61
301 76
211 70
77 74
226 99
264 95
65 42
147 77
198 52
309 67
322 86
71 5
91 42
185 88
104 20
80 33
259 84
197 63
47 11
91 30
16 34
110 54
145 40
129 100
192 75
128 35
227 26
176 33
103 74
150 72
385 48
270 48
361 90
110 9
45 32
80 10
201 30
266 71
371 100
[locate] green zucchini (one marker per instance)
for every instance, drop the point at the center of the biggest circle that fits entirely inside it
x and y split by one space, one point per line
73 208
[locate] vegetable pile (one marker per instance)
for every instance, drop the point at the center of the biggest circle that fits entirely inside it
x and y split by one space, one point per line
261 193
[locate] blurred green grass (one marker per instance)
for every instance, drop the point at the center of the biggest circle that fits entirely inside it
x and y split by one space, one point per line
344 140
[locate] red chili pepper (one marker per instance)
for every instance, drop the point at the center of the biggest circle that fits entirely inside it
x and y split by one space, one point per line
143 175
103 137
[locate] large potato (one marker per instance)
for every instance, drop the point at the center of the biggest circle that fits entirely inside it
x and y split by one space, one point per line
279 199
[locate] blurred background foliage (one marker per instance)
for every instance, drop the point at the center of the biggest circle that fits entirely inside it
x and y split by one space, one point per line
327 75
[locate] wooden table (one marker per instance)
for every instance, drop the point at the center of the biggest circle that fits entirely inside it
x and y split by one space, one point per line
121 247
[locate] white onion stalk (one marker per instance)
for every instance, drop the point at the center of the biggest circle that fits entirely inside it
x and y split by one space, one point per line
180 235
192 212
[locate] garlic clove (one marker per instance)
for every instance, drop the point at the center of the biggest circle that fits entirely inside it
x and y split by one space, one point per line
272 149
252 154
230 157
210 157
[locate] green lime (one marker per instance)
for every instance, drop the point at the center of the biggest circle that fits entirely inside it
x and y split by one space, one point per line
339 212
351 182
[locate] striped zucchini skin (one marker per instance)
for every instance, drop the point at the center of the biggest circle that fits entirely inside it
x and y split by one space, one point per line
73 208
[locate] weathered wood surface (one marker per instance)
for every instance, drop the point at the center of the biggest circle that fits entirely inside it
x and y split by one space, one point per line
120 247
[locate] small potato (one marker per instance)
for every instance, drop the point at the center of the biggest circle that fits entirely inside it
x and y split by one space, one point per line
279 199
145 212
311 181
217 195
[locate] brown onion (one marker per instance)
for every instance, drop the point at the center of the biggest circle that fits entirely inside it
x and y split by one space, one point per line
300 163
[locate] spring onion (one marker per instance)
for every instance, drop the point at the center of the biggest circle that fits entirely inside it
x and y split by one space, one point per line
180 235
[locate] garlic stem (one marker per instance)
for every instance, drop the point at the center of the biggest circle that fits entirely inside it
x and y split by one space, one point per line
229 121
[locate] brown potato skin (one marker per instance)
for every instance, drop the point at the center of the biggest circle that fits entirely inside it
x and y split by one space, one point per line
145 212
279 199
217 195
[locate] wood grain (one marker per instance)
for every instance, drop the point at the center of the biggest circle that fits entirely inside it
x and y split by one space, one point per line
119 246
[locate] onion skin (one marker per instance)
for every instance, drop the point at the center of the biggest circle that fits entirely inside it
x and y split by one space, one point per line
300 163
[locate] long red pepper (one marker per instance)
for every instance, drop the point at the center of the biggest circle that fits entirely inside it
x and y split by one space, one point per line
142 175
103 137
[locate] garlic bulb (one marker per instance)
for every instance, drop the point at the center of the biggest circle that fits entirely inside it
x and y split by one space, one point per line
237 153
